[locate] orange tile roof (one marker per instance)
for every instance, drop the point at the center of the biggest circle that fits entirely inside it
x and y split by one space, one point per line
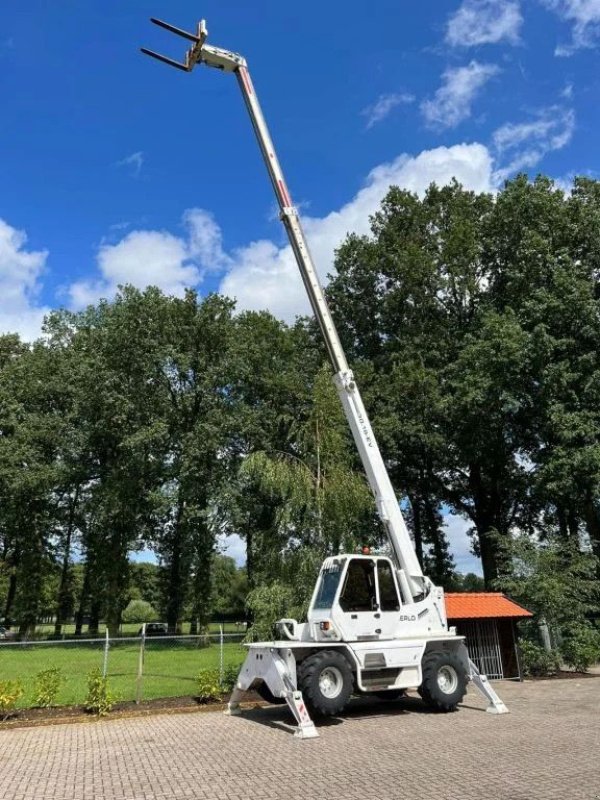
482 605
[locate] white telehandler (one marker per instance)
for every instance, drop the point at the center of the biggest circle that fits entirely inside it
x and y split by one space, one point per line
375 625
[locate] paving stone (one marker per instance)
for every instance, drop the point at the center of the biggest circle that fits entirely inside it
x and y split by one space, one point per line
547 748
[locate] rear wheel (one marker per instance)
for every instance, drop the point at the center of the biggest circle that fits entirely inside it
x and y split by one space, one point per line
325 680
444 681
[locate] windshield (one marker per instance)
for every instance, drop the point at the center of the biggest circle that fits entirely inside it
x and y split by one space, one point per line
328 584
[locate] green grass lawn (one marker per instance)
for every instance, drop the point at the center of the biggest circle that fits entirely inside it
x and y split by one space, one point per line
170 668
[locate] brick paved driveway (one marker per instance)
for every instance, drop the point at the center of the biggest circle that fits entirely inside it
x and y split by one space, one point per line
547 747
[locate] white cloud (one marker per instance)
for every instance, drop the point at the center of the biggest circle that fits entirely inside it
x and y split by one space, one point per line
156 258
484 22
20 273
264 275
585 17
384 104
526 143
451 103
135 161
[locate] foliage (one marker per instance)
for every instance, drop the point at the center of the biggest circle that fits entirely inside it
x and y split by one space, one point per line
99 699
268 603
47 686
472 323
230 676
139 611
208 686
10 693
230 587
580 647
554 579
536 661
466 583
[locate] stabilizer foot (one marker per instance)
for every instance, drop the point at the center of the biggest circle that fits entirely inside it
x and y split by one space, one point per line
307 732
496 706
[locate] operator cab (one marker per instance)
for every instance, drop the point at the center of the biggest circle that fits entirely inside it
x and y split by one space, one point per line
356 599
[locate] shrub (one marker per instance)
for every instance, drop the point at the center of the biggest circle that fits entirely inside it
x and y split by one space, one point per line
536 660
580 647
209 687
230 675
10 693
139 611
100 699
46 687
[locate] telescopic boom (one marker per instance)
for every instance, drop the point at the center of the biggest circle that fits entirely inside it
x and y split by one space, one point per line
412 582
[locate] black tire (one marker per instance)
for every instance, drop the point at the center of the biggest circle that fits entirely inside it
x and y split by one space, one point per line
444 681
390 694
267 695
326 682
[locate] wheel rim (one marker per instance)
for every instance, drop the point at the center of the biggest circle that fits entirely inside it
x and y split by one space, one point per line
447 679
331 682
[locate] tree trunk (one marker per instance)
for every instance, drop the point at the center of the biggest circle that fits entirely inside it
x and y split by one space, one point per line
592 524
415 504
442 561
202 580
178 574
83 600
489 521
117 576
63 598
10 597
94 619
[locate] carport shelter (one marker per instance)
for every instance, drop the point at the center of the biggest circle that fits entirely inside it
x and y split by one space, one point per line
488 622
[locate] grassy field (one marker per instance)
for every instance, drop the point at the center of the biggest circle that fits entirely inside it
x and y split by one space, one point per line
170 668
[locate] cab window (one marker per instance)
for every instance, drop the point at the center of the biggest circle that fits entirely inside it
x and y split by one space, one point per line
330 579
388 594
359 593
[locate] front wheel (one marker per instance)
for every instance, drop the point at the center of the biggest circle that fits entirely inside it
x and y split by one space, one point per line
444 681
325 680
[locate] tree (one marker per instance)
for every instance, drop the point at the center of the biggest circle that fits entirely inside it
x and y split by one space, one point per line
195 371
406 298
323 505
230 587
139 611
554 579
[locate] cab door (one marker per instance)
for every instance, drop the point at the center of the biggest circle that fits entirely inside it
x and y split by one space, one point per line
358 607
388 600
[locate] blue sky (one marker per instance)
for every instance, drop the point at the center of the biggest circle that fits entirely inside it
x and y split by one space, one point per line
115 169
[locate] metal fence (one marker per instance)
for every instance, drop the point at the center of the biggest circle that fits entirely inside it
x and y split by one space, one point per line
136 667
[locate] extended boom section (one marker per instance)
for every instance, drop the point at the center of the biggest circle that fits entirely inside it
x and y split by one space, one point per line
375 625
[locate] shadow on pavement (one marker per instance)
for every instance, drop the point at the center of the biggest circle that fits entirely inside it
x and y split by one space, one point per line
280 717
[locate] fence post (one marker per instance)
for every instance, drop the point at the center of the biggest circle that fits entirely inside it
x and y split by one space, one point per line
106 646
221 670
140 673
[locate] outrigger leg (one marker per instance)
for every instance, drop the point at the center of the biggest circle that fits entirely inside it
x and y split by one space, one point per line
277 668
496 706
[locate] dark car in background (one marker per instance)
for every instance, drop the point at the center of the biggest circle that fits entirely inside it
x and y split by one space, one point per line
155 629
